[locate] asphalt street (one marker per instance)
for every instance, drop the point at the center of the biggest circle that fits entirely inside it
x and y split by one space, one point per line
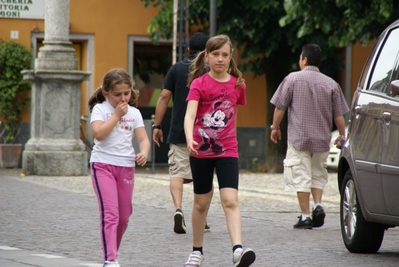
53 222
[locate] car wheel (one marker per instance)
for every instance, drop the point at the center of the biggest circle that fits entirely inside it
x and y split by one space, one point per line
359 235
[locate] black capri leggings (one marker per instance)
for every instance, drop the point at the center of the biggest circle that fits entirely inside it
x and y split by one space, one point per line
202 171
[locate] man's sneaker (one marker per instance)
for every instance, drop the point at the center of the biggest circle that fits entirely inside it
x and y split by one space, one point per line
207 228
243 258
318 216
303 224
195 259
179 224
113 263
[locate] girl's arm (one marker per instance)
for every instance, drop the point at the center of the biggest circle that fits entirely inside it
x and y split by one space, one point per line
144 143
189 119
101 129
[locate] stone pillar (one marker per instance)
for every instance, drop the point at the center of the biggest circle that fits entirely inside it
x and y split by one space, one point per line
55 148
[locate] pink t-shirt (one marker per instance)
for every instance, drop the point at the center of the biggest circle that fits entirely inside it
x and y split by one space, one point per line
214 128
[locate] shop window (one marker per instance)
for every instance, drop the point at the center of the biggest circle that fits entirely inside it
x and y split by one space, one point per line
151 63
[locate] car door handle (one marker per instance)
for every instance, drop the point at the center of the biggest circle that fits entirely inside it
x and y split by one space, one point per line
358 110
387 117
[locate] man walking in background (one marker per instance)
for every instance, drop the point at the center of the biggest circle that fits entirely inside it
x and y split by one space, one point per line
313 101
175 87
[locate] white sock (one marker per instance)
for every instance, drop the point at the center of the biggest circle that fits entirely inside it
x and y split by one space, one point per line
315 205
304 216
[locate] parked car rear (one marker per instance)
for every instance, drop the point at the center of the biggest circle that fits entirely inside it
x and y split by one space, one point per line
368 169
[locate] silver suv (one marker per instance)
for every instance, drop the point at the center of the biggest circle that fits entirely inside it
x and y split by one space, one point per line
368 170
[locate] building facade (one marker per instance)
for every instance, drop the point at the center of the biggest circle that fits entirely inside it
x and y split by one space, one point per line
111 34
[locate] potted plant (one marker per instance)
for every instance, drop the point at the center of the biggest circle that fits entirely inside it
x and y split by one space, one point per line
14 96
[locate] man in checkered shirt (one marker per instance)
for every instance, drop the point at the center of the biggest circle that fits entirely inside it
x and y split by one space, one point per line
313 101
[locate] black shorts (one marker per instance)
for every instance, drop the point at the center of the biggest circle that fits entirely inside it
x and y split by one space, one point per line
202 171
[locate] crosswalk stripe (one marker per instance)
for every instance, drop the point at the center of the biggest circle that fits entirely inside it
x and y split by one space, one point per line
8 248
48 256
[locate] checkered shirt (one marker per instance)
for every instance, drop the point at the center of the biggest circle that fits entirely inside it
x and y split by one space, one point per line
313 100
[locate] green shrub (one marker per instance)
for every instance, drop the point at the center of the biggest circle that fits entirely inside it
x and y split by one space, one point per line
14 95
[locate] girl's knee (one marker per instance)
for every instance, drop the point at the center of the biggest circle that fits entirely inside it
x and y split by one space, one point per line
123 221
230 203
201 207
124 217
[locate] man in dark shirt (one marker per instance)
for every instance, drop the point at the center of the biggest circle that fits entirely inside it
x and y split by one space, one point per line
175 87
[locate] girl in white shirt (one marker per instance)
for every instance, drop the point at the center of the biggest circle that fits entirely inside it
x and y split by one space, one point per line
114 123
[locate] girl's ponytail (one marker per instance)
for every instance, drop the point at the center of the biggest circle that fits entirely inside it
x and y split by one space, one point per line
196 68
236 73
97 97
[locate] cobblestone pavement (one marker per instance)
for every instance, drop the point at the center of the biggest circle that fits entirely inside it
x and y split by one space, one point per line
54 222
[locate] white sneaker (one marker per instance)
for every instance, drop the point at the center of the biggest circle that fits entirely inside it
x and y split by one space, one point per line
113 263
243 258
195 259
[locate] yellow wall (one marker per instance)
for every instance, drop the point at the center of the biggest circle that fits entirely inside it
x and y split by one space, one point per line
359 57
24 26
254 113
111 22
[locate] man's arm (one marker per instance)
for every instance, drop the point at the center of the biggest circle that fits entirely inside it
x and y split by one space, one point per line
340 123
275 134
160 110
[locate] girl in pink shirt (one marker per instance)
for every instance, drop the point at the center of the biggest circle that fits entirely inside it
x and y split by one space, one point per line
210 131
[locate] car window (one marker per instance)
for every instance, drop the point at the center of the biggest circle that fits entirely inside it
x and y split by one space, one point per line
382 70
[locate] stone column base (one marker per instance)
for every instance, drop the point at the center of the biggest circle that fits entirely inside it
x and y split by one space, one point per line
55 163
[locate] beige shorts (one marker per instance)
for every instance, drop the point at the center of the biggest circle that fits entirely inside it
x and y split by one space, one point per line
304 170
179 162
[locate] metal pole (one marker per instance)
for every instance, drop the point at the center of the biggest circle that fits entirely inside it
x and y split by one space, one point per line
174 31
186 26
181 18
212 18
152 146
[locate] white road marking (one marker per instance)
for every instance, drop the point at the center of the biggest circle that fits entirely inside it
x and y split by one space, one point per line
8 248
48 256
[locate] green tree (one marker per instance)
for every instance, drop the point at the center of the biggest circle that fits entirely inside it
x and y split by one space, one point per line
271 33
341 22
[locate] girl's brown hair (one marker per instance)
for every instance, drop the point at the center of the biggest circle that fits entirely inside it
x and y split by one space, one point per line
198 65
112 78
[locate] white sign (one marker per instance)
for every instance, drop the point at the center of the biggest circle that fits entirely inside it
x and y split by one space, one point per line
22 9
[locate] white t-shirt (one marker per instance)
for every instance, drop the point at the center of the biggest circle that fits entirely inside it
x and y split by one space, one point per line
117 148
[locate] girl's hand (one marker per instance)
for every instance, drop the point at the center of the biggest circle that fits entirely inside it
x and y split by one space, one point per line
190 147
121 109
141 158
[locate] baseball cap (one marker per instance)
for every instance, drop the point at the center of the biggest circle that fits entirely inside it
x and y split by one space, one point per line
197 42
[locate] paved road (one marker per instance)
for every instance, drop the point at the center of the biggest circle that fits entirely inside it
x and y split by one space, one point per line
53 222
